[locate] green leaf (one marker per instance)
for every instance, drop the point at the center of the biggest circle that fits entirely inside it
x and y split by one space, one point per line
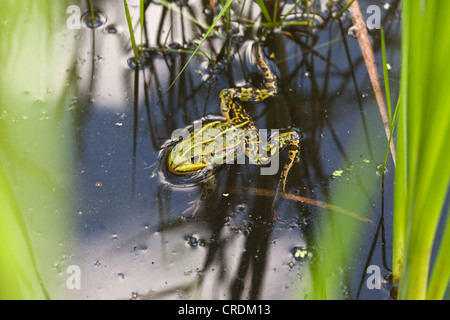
130 28
423 169
264 11
210 29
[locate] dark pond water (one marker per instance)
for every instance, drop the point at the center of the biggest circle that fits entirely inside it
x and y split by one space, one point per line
129 235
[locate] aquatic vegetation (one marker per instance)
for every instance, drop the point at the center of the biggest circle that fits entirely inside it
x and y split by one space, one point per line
95 149
423 170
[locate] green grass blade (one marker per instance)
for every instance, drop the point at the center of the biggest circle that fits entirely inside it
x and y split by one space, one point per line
386 76
227 16
36 148
422 180
210 29
349 3
275 11
142 20
130 28
264 11
394 122
388 96
289 12
91 9
441 271
400 186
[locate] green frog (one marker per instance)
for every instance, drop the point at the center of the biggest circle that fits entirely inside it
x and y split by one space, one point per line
209 144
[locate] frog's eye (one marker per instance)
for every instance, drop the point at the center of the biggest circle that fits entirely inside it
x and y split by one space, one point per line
195 158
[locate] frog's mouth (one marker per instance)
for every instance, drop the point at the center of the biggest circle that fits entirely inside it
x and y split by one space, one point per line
186 168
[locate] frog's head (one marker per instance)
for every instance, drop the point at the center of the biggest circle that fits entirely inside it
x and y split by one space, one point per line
194 153
183 160
186 157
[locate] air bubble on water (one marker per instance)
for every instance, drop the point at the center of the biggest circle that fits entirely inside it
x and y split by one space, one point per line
209 79
144 56
381 169
174 46
144 249
195 242
209 71
191 241
132 64
188 272
99 19
241 208
112 29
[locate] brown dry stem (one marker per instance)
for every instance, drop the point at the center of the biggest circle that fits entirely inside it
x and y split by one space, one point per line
369 59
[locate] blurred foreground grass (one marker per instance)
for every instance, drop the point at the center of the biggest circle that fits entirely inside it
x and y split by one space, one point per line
423 166
35 146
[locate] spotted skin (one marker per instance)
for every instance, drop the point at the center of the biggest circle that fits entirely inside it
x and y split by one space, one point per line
237 117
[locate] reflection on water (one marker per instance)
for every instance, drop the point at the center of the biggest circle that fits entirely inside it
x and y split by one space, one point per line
130 237
133 241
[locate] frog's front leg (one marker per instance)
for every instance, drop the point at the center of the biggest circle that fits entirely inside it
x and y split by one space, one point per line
208 188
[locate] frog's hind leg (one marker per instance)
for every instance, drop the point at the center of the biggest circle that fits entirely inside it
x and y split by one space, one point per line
292 140
265 68
269 79
230 106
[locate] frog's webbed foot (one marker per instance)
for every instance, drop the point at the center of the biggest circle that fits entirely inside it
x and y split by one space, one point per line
195 205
